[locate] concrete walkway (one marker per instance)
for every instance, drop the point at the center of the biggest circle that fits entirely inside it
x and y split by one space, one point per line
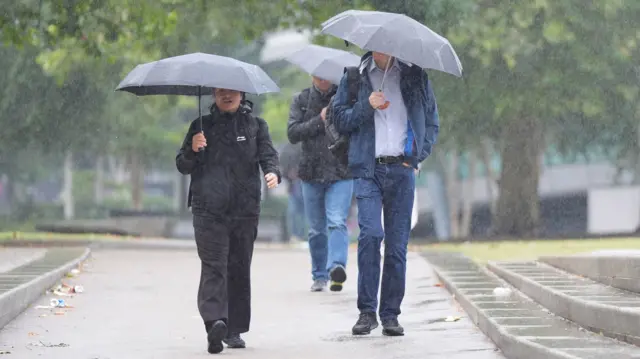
141 304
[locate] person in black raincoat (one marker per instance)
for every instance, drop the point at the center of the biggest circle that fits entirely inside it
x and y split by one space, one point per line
224 196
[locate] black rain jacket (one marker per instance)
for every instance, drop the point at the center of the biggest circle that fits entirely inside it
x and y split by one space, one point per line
225 178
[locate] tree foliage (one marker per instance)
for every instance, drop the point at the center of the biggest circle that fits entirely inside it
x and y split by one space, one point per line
536 74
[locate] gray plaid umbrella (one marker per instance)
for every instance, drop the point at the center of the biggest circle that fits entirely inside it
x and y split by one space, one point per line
324 62
396 35
195 74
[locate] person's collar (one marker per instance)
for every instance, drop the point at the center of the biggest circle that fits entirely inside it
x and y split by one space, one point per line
317 89
370 65
394 65
323 93
246 106
222 114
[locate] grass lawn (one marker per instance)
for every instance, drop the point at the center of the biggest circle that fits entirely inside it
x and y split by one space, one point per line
481 252
57 236
524 250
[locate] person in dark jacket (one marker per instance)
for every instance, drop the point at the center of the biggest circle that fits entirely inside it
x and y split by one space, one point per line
327 186
392 127
224 195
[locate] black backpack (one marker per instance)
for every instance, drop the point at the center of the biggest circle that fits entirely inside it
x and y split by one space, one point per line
339 144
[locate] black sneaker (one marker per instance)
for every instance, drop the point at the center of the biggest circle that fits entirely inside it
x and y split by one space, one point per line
365 324
234 341
391 328
318 285
338 276
215 334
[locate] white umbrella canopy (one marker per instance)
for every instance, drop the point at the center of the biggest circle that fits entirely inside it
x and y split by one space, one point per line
396 35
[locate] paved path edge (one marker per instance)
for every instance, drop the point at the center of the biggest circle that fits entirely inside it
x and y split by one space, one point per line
615 271
135 244
614 322
18 299
511 346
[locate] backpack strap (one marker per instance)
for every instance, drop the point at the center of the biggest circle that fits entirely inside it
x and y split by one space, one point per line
306 92
353 83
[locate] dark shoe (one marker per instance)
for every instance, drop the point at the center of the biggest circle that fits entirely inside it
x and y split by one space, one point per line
234 341
365 324
391 328
216 333
318 285
338 276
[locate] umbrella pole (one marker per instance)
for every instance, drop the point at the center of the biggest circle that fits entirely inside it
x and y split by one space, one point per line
201 149
386 69
200 108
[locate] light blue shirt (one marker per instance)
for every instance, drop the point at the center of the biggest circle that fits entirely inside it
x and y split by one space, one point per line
390 123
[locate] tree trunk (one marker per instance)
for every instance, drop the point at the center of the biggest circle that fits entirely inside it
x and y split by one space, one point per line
452 188
183 194
266 193
468 197
9 196
490 176
439 196
117 170
177 192
99 181
8 190
137 184
517 212
67 188
636 157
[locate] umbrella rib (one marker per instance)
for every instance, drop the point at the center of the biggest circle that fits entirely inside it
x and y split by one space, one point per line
438 52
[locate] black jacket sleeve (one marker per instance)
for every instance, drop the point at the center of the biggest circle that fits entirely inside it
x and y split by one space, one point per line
187 160
299 130
267 153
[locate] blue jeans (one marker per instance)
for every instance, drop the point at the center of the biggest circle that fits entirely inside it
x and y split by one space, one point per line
393 188
327 207
295 210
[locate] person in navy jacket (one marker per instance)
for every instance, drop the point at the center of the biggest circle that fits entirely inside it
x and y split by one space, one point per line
392 127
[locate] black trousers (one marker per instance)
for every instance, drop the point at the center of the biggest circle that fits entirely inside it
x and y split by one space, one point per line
225 248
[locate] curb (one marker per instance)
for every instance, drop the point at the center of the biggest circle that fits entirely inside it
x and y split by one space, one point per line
615 322
615 271
18 299
510 345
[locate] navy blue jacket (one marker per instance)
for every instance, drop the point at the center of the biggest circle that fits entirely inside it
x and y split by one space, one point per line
358 123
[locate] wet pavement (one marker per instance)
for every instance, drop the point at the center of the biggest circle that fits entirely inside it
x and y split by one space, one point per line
141 304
